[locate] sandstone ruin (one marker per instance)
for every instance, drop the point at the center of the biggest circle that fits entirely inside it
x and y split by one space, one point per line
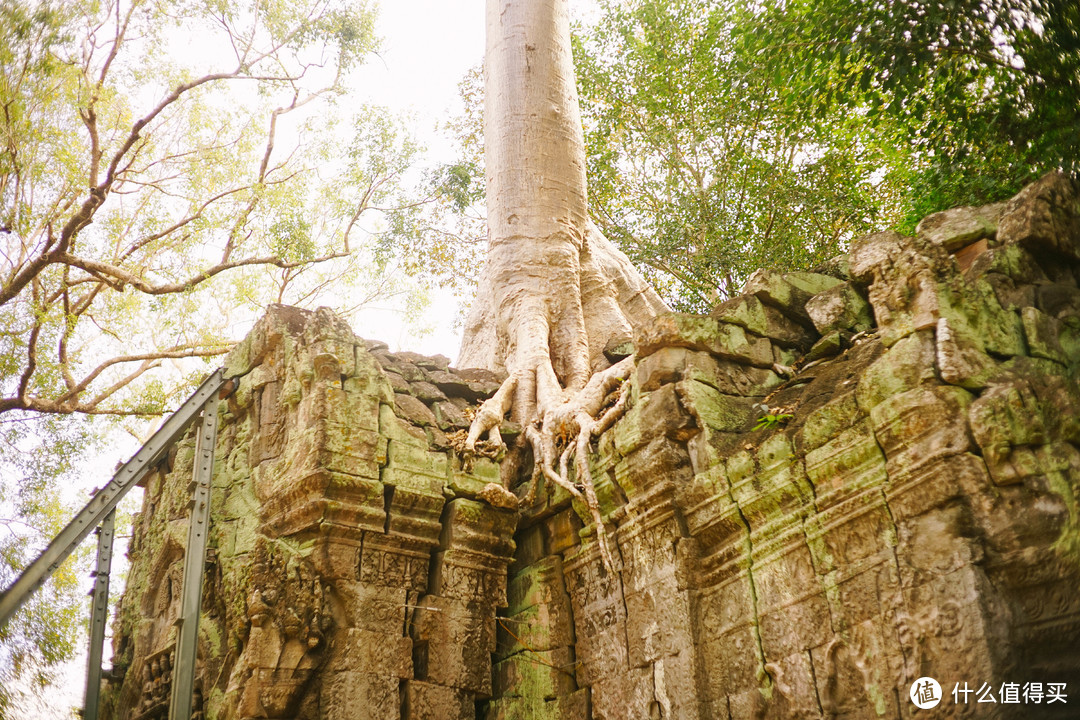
836 483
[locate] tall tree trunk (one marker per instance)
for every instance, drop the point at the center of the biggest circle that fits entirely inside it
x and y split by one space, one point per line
554 291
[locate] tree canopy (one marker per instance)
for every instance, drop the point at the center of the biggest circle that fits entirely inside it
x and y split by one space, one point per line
698 168
978 96
722 137
166 170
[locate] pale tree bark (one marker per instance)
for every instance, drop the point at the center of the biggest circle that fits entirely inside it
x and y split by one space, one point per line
554 291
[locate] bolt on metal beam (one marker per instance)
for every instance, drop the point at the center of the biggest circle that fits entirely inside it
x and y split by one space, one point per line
183 679
99 612
106 499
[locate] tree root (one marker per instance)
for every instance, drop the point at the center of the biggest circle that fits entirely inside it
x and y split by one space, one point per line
563 432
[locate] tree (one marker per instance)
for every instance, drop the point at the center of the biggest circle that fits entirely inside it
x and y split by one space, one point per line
130 181
165 170
698 169
976 96
46 630
554 292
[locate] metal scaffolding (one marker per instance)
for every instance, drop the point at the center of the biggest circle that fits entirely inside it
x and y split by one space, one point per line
98 514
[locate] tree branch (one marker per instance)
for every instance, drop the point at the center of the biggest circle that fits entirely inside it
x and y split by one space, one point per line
123 277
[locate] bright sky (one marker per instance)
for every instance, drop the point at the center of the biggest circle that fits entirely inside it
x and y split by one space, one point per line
428 46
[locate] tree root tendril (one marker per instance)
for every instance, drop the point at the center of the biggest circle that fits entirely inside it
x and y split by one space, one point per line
562 433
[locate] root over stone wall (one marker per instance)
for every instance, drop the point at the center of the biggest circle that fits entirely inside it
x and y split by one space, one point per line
835 484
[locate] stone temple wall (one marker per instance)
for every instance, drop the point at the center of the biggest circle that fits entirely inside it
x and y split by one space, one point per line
836 483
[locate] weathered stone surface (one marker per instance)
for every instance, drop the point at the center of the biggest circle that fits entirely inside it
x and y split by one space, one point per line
828 346
905 278
787 291
953 229
839 308
750 313
1042 333
697 332
670 364
450 416
427 392
960 361
912 508
907 365
415 411
1044 216
477 383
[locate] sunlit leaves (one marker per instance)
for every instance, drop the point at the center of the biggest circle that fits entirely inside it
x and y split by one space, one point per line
982 94
159 162
697 168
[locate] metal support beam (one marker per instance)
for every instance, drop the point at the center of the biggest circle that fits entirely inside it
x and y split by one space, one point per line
183 678
105 500
99 614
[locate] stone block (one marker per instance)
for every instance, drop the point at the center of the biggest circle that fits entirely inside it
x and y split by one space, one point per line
450 416
796 627
376 608
428 701
478 528
1044 216
427 392
378 653
412 409
561 531
698 332
479 384
794 694
830 345
953 229
960 361
908 282
712 409
398 383
662 414
840 307
414 514
788 291
750 313
459 639
844 466
973 310
907 365
390 562
537 675
657 624
345 691
850 532
410 457
1042 331
1011 261
933 545
541 582
855 674
920 426
929 486
824 423
785 575
321 498
631 694
731 662
345 449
